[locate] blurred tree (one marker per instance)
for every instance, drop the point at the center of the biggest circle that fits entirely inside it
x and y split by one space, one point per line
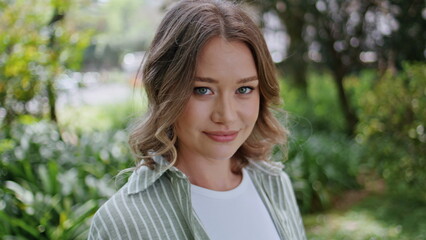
123 26
37 43
292 16
345 36
393 125
407 42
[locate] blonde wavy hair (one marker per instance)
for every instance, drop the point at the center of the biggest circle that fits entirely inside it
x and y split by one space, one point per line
168 74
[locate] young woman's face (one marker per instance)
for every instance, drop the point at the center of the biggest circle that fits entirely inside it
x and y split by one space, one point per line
224 105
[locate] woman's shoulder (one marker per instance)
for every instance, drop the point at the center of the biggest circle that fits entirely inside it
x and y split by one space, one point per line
132 211
269 172
120 214
271 168
110 217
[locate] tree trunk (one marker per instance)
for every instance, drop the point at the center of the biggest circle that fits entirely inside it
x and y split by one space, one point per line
339 70
295 63
51 95
349 114
50 87
296 66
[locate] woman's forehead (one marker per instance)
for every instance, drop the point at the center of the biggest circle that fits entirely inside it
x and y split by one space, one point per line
222 59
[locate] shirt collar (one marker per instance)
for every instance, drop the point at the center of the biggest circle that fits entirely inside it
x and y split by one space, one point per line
143 177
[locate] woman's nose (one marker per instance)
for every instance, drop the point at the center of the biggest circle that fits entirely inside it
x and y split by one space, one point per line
224 111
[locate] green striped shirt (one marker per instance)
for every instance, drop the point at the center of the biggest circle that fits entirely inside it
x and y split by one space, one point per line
156 204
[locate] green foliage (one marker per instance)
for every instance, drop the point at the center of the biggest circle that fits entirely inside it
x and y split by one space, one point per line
322 160
318 106
34 49
393 127
53 182
322 167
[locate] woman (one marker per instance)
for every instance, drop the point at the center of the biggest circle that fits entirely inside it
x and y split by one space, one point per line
207 137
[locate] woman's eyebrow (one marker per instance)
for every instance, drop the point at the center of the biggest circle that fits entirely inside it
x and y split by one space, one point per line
248 79
211 80
206 79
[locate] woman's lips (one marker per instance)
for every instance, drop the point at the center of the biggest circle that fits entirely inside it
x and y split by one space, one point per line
220 136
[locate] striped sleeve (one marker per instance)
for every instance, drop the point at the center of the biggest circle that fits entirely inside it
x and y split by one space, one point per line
114 221
288 200
149 214
98 229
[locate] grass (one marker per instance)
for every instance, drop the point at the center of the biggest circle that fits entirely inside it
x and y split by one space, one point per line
384 216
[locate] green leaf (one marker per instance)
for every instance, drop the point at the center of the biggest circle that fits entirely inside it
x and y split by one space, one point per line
19 224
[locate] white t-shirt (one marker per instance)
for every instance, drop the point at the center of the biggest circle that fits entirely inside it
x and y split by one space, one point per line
235 214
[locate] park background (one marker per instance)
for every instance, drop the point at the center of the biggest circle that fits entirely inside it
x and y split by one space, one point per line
353 79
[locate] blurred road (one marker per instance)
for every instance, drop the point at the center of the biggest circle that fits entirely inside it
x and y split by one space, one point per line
96 94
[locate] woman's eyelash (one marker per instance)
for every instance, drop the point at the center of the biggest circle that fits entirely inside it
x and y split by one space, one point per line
208 91
202 90
245 90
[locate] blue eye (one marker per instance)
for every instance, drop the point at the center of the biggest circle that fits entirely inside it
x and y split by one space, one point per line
244 90
202 91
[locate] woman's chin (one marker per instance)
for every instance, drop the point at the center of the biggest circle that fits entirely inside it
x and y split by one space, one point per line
220 154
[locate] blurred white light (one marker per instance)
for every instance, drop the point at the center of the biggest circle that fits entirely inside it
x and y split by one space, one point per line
320 5
2 114
339 46
354 18
275 37
314 56
354 42
129 58
132 61
368 57
277 56
420 129
386 23
369 17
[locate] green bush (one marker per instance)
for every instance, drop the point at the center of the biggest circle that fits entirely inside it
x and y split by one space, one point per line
53 182
321 167
392 127
320 107
322 160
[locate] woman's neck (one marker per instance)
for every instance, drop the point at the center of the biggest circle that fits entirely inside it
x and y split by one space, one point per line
213 174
